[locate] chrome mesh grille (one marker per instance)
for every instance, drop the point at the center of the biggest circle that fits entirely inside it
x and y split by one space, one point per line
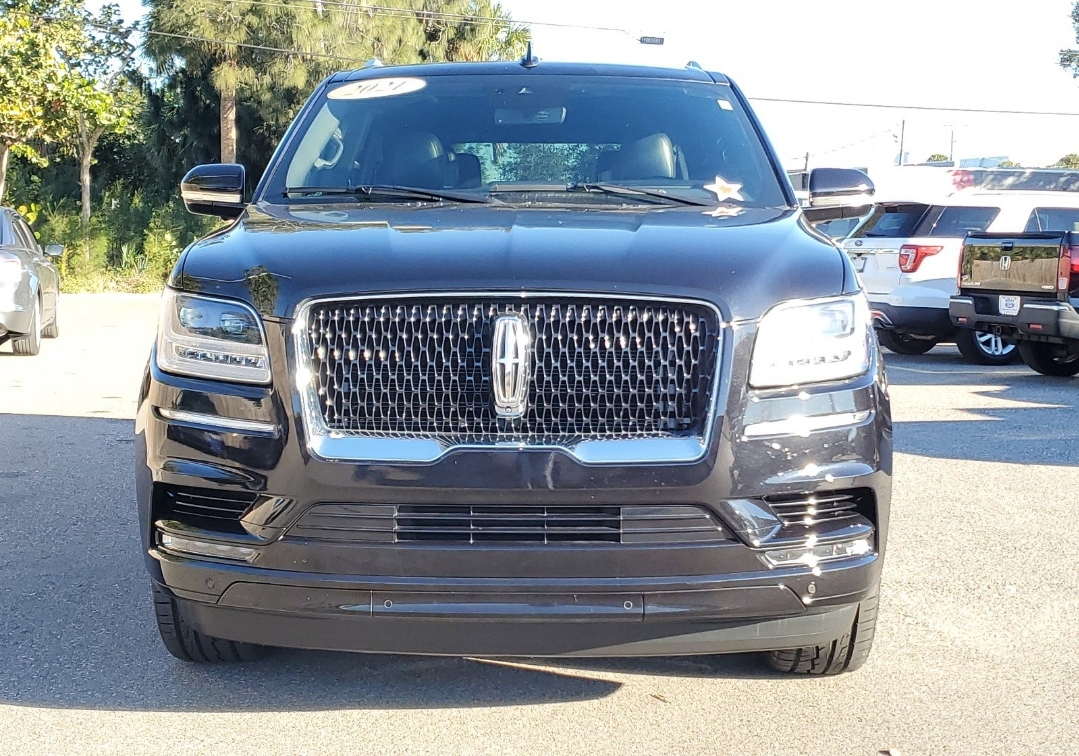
600 369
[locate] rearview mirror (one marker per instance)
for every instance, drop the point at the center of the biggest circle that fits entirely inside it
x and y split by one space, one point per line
216 189
840 187
54 250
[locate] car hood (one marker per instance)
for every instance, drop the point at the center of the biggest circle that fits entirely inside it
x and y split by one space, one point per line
277 256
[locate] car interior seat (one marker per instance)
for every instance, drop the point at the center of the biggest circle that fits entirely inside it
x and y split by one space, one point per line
468 171
415 159
605 164
648 158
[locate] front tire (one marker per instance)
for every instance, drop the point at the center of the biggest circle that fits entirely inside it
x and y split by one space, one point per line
846 653
984 348
188 644
52 330
901 343
30 344
1049 359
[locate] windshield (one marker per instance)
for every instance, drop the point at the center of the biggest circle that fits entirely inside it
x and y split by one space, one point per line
528 138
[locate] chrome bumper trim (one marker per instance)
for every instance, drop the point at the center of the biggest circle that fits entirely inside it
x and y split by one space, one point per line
334 447
233 424
800 425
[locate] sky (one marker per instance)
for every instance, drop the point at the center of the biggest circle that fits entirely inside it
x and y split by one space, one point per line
938 53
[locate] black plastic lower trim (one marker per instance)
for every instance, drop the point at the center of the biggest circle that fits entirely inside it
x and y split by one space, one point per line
548 636
920 321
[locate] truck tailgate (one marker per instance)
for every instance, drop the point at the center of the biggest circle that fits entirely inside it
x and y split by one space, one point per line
1020 263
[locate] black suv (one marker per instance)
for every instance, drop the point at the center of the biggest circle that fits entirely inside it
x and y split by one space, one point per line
512 359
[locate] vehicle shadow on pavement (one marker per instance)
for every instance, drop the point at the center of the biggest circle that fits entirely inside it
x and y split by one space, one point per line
77 627
947 408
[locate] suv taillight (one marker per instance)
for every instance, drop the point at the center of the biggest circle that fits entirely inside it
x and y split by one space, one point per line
1068 270
911 256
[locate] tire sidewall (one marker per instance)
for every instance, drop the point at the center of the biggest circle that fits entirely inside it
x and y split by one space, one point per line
1039 357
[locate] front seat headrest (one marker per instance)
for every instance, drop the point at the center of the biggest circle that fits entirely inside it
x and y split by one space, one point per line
416 159
605 163
469 175
648 158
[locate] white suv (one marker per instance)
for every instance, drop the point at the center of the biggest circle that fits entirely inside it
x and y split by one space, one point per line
907 256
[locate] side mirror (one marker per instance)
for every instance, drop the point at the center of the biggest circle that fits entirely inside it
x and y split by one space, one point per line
840 187
54 250
216 189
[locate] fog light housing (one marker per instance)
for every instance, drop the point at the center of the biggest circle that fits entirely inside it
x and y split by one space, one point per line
184 545
812 553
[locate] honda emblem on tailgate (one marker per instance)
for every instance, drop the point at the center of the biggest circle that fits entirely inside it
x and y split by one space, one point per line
1005 262
511 364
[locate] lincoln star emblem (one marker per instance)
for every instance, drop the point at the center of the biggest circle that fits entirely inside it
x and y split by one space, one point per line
511 365
1005 262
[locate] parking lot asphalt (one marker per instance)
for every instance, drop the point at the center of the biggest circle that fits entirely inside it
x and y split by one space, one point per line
975 650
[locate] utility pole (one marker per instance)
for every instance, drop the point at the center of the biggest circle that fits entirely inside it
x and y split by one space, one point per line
951 148
902 135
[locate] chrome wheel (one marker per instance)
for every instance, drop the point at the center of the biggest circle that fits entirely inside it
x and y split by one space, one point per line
984 348
993 345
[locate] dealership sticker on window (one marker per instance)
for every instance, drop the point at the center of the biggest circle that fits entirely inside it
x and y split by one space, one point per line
725 191
725 105
372 88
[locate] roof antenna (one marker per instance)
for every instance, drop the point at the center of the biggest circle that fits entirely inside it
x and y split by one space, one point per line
529 60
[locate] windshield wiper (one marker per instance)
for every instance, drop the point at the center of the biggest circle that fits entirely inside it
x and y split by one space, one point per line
631 191
370 191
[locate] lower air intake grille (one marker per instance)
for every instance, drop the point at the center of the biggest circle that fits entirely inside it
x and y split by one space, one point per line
806 509
548 525
203 507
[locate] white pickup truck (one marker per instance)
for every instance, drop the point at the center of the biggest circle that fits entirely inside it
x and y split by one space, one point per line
907 255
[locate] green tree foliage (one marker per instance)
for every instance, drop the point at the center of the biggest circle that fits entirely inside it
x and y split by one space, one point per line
1070 162
937 157
32 78
140 130
100 95
1008 164
269 54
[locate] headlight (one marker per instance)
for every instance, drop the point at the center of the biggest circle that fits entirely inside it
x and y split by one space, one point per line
812 341
211 338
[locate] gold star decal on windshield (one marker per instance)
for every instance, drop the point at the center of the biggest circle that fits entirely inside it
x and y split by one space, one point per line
724 190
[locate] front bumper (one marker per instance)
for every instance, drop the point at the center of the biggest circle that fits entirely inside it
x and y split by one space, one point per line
573 618
15 307
514 599
1037 320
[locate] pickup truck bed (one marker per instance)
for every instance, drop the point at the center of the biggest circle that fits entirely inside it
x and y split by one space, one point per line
1024 287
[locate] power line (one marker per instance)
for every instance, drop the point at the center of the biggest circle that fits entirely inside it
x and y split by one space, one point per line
915 107
409 13
194 38
852 144
347 59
